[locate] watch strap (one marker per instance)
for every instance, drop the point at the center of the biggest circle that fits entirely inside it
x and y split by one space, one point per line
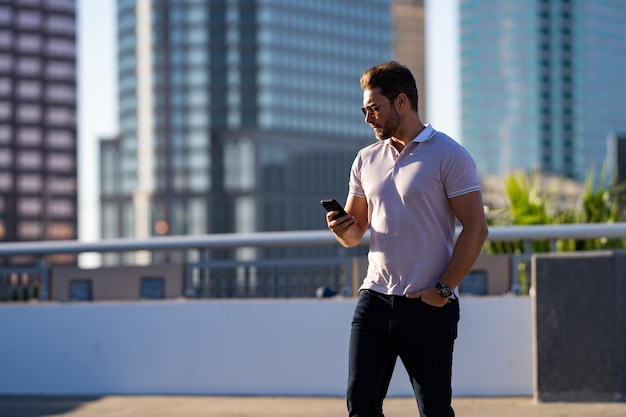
444 290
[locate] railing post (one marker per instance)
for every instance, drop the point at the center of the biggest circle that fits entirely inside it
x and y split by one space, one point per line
346 290
528 253
516 287
189 292
189 269
553 247
45 278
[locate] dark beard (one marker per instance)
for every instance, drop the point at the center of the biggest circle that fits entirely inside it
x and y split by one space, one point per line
387 131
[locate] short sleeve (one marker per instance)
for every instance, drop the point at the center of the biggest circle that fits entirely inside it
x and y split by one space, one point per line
460 176
355 185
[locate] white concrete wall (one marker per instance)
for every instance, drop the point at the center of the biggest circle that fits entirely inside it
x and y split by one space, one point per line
237 347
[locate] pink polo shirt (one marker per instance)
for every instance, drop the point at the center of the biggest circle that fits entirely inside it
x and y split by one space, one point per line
411 222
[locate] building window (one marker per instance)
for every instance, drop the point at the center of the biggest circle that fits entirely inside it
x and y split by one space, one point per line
80 290
6 62
29 42
60 139
29 206
6 181
128 219
29 183
29 19
29 89
29 113
5 157
474 283
60 116
6 39
6 134
61 24
60 93
61 186
61 231
5 110
60 47
5 86
108 222
29 230
61 4
29 160
60 162
152 288
197 213
61 208
29 66
6 15
60 70
239 165
29 136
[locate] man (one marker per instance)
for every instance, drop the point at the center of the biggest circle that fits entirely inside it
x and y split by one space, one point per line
409 188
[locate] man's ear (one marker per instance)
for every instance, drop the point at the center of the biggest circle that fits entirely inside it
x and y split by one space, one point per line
401 100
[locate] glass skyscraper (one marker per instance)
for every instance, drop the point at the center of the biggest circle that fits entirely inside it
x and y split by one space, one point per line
38 172
542 83
237 116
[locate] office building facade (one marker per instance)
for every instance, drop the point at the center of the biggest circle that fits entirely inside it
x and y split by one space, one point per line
236 116
542 83
38 166
410 44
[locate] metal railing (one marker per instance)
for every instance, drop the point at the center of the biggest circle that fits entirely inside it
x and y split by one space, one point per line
37 275
267 278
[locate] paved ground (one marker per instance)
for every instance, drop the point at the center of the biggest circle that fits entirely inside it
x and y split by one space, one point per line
185 406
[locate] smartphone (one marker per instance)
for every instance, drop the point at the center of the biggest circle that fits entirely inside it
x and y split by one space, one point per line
333 205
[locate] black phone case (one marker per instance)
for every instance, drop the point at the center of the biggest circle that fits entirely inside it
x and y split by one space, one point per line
333 205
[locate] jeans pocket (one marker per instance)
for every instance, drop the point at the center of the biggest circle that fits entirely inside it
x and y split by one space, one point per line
432 307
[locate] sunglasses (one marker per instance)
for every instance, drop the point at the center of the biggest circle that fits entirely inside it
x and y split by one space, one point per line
372 108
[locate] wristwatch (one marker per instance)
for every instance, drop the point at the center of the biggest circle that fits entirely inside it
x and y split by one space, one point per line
443 290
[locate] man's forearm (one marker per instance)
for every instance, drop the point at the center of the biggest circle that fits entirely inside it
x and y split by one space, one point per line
351 236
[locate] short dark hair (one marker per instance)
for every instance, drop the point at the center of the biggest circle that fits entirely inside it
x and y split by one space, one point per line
392 78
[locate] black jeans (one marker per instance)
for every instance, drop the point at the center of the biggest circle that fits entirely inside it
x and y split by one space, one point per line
385 327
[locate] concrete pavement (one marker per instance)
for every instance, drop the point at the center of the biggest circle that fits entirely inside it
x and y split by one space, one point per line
196 406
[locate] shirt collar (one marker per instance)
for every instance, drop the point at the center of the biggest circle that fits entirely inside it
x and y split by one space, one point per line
427 133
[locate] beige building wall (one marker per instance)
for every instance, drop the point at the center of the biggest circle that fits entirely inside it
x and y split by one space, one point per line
125 282
410 44
116 283
497 269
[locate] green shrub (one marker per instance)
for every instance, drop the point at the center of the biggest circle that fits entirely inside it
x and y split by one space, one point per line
601 201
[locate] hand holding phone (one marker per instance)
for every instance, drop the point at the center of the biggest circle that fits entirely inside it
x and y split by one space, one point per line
333 205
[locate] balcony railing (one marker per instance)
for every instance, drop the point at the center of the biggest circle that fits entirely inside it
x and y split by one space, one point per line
33 280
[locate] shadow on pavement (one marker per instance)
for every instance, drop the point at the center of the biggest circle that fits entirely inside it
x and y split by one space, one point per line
36 406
